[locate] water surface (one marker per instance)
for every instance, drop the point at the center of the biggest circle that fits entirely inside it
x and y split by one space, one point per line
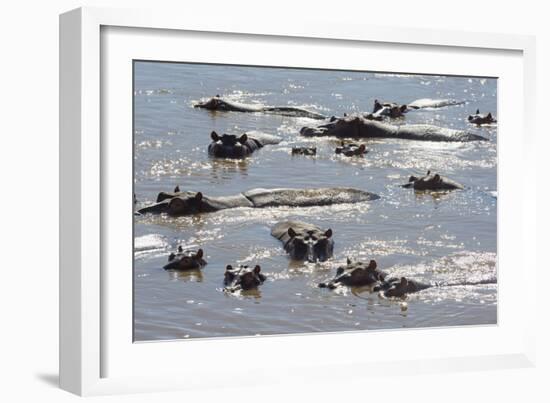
443 238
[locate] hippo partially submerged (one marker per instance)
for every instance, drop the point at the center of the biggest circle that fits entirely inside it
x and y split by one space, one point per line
480 119
356 274
433 103
304 241
186 203
304 151
231 146
351 149
398 288
355 126
432 182
242 278
185 260
218 104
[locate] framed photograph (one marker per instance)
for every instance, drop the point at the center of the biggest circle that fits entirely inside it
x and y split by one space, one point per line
231 188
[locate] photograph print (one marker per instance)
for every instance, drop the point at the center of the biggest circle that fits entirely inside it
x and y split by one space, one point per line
275 201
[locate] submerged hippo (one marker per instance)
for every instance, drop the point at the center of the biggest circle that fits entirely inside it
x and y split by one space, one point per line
304 150
432 182
218 104
356 274
479 119
388 109
231 146
358 127
398 288
242 278
433 103
304 241
351 149
188 260
186 203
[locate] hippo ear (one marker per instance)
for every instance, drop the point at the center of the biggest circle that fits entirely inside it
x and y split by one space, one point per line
489 116
345 115
228 267
198 196
291 232
362 148
257 269
243 139
403 281
437 177
413 178
180 249
214 136
428 173
177 189
372 265
332 118
403 108
328 233
470 117
477 112
339 271
199 254
171 257
348 261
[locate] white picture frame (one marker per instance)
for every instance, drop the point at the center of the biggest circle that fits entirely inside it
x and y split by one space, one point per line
96 355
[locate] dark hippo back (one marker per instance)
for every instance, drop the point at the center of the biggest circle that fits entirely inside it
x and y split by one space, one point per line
356 274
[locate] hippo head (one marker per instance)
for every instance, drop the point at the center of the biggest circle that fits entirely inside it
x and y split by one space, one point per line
311 245
347 126
397 288
188 260
242 278
184 205
228 145
355 274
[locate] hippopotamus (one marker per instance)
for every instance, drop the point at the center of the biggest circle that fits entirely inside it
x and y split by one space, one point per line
304 241
388 109
479 119
186 203
432 182
218 104
188 260
351 149
304 150
399 288
433 103
242 278
356 274
355 126
231 146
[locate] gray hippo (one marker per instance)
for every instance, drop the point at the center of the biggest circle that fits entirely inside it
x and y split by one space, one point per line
432 182
231 146
351 149
356 274
242 278
186 203
188 260
304 151
399 288
433 103
479 119
304 241
218 104
388 109
355 126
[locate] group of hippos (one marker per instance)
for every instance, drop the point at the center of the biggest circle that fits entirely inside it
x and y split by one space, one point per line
304 241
